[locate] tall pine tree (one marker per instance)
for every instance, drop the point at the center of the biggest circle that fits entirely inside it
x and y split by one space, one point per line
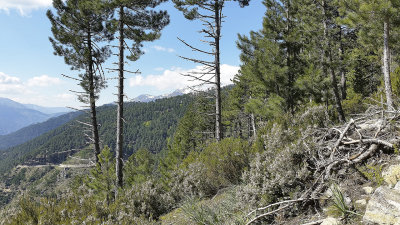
136 22
78 27
377 21
210 12
271 60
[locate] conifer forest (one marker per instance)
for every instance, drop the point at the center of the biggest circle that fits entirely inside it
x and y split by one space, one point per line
308 133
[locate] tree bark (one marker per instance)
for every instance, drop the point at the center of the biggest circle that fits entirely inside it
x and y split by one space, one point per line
253 125
386 64
120 110
218 122
343 85
92 99
240 128
336 93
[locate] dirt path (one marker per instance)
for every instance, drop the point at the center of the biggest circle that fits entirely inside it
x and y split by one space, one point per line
76 166
60 166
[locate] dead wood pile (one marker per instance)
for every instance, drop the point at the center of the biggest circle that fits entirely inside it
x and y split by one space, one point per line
340 147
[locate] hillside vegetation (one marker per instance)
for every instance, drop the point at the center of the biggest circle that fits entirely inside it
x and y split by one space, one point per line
306 134
30 132
148 126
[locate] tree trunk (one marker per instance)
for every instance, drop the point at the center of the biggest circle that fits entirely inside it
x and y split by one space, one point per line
343 85
327 54
218 122
386 64
92 99
336 94
253 125
240 127
289 57
120 110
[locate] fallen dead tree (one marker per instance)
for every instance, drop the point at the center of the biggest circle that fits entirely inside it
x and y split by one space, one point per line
338 148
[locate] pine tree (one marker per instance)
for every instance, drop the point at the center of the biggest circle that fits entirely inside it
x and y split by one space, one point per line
187 138
137 23
210 12
329 14
139 167
377 20
77 28
271 60
101 179
242 124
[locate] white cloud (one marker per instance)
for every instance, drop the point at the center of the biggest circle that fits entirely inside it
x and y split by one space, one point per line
6 79
43 81
10 84
136 81
41 90
44 99
227 73
66 96
23 6
173 78
163 49
12 87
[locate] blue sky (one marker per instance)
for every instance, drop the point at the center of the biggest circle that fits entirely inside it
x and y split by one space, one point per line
30 73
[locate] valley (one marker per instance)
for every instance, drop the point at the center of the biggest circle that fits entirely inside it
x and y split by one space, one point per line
48 154
285 112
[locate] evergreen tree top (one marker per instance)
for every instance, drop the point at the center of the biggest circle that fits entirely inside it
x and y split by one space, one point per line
140 21
190 8
74 23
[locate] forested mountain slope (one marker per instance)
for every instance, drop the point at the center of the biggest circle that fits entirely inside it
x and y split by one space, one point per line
147 126
30 132
308 134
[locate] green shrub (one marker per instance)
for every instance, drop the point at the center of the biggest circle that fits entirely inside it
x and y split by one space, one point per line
372 173
222 209
203 174
29 212
218 166
5 198
354 103
51 178
278 171
147 199
225 161
191 182
339 208
139 167
102 178
38 174
17 178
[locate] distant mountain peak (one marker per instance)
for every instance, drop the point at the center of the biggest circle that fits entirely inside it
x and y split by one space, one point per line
150 98
48 110
14 115
10 103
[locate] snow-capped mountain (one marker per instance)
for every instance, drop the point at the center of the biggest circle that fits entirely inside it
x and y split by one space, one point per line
150 98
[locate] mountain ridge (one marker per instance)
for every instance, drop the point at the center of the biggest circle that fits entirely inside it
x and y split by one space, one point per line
148 125
15 116
150 98
34 130
12 137
48 110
